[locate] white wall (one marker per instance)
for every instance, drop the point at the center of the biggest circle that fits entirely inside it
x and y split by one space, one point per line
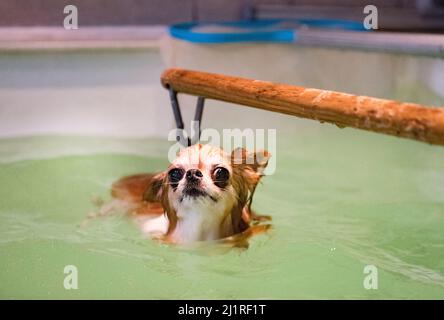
83 92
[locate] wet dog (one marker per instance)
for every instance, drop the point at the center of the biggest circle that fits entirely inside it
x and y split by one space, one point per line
204 195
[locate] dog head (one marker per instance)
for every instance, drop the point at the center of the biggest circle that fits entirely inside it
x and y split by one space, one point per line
211 186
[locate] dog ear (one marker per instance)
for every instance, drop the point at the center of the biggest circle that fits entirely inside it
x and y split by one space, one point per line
158 192
155 188
248 169
251 163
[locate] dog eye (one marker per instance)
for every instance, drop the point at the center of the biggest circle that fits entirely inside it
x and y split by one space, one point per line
175 175
221 174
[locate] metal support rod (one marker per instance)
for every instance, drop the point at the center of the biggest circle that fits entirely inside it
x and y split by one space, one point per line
179 120
198 113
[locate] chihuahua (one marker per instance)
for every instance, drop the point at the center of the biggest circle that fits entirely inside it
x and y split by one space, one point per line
205 194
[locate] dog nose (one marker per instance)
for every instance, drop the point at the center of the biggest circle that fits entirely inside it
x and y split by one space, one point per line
194 175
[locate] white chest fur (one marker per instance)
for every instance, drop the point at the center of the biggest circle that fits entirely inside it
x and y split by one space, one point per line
201 221
196 221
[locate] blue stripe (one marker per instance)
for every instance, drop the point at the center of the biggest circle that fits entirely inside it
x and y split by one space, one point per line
185 31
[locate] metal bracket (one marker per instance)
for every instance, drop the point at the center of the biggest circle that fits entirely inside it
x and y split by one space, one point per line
178 117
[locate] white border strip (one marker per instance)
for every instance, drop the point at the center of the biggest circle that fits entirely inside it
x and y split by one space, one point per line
43 38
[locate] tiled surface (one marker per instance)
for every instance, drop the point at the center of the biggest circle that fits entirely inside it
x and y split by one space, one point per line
385 3
216 10
136 12
95 12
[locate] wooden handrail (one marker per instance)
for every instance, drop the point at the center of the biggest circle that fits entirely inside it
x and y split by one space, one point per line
407 120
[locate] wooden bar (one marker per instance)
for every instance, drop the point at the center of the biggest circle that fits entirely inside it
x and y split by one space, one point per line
407 120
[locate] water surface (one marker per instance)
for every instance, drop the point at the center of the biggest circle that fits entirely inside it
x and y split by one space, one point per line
340 200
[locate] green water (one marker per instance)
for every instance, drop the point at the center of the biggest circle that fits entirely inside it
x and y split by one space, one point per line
340 200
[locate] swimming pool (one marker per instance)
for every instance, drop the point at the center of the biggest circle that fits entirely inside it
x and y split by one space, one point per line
340 199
